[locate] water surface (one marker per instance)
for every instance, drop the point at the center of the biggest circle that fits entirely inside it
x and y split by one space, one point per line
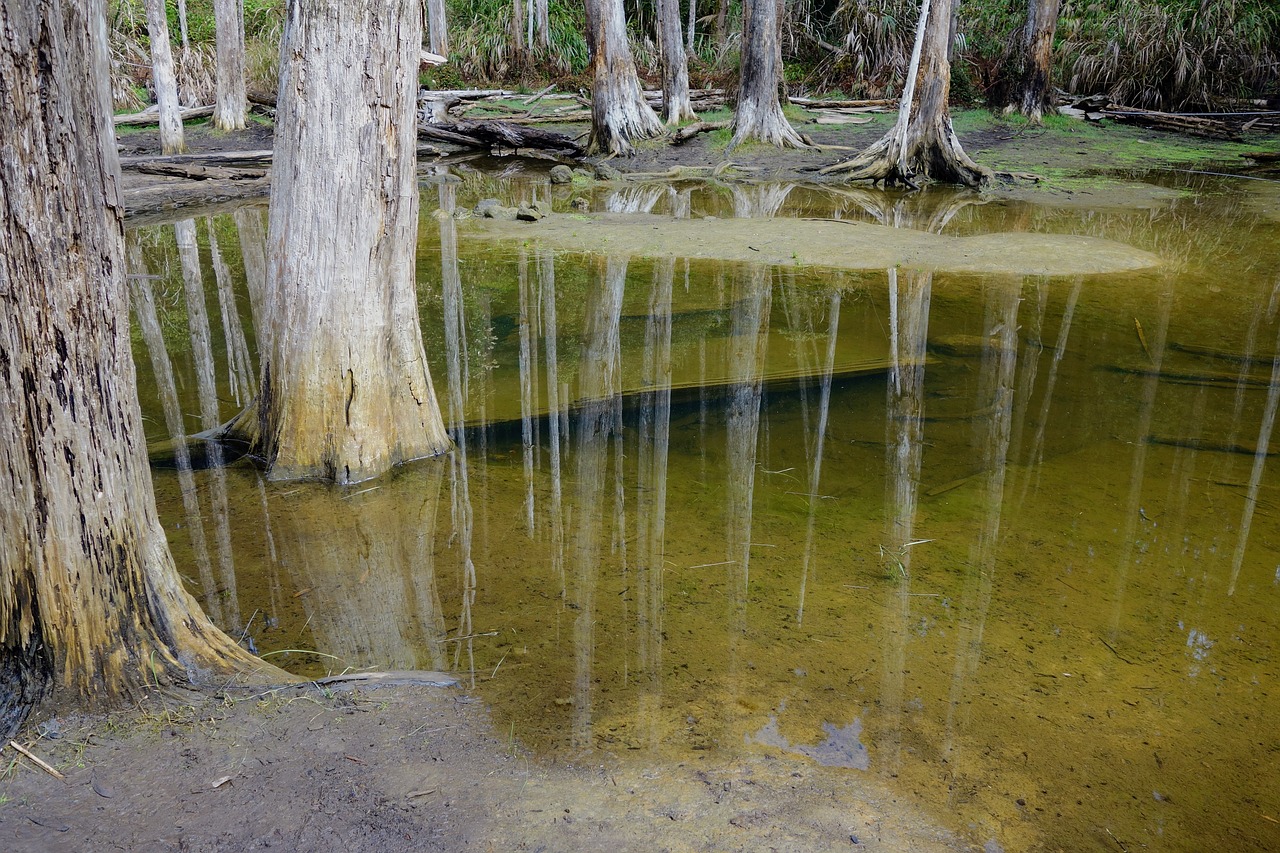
1006 542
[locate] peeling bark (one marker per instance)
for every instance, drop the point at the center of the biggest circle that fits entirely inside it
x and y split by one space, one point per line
232 105
759 112
92 610
345 393
922 143
619 112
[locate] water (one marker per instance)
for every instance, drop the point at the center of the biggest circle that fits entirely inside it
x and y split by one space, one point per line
1007 543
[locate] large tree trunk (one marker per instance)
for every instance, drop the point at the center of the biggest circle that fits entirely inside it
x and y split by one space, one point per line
345 392
91 607
232 105
922 143
164 79
437 28
675 65
759 112
1029 65
619 112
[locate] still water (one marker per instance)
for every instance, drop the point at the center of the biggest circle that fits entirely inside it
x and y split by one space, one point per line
1007 543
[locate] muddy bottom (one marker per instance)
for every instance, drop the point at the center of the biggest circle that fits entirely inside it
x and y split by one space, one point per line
409 768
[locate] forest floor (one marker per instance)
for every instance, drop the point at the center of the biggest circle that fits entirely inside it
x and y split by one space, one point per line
420 768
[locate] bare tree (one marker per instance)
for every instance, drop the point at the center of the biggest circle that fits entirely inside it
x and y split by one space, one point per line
232 106
345 393
922 143
437 28
759 111
619 112
1028 68
675 65
92 610
164 78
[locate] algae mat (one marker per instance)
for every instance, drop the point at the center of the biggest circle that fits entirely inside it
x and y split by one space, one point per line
832 243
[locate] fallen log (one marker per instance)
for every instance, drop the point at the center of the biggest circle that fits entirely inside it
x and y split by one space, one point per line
1193 125
819 104
260 158
689 131
151 116
200 173
500 134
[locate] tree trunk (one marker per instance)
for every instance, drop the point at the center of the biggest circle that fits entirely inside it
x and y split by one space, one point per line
164 79
759 112
1030 64
922 143
619 112
542 23
345 393
516 34
675 65
91 607
437 28
232 105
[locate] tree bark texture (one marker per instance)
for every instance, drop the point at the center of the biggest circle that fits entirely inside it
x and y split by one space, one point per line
619 112
345 393
231 108
675 65
1031 62
91 606
437 28
164 78
922 143
759 111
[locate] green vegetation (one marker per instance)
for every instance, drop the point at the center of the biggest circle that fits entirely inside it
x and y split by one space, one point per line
1161 54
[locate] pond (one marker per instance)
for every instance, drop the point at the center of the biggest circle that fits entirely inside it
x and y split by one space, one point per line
1001 534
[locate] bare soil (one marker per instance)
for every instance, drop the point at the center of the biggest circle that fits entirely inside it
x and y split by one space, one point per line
410 769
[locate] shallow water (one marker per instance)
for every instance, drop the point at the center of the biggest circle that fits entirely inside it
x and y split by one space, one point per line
1007 543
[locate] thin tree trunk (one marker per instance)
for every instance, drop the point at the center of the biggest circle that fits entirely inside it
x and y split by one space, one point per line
759 112
345 392
619 112
164 79
231 108
437 28
542 23
675 65
922 143
92 610
1032 62
692 26
518 53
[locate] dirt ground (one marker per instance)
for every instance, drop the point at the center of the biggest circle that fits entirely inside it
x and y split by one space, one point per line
421 768
409 769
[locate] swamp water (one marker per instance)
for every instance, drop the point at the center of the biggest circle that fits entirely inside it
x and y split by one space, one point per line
1000 535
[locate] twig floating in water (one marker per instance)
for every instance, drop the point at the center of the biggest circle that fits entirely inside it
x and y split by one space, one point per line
1142 339
1116 653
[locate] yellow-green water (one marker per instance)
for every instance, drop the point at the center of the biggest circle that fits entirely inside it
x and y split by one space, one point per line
1027 574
